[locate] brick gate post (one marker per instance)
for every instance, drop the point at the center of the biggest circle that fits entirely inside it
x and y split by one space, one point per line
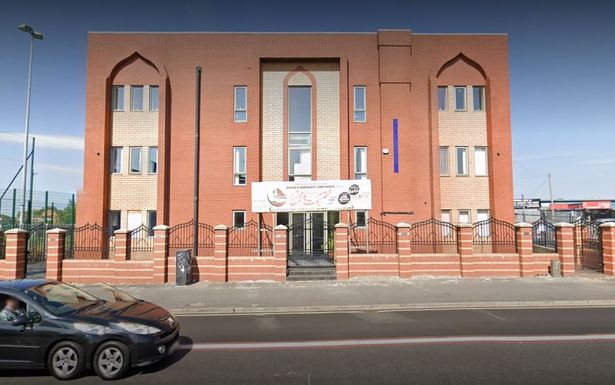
161 254
280 251
55 253
341 251
564 236
524 245
15 257
122 245
404 250
220 267
465 248
608 248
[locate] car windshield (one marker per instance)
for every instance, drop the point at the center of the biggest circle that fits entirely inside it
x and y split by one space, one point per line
59 298
110 294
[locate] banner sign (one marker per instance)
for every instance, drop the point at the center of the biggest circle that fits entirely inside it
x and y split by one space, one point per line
529 203
314 195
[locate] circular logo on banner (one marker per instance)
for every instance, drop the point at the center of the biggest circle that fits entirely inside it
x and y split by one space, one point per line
353 189
276 197
344 198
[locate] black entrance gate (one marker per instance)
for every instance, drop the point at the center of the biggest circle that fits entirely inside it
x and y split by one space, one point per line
310 241
36 251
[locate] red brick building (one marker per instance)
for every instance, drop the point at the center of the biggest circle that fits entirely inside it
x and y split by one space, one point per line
296 106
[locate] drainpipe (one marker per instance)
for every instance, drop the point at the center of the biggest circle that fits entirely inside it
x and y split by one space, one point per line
197 148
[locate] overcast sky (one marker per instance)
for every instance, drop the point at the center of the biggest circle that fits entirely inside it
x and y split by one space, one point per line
562 65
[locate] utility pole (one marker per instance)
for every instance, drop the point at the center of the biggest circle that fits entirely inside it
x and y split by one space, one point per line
551 197
31 182
523 207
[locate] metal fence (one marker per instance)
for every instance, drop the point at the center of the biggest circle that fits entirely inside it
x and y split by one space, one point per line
2 244
543 237
250 239
41 207
494 236
141 239
433 237
591 246
181 236
86 242
374 237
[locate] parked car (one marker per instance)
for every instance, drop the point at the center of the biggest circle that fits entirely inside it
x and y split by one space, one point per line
66 329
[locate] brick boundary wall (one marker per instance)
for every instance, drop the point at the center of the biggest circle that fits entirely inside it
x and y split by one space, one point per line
608 248
160 267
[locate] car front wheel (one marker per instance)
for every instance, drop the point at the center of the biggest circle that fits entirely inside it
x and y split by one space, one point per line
111 360
65 360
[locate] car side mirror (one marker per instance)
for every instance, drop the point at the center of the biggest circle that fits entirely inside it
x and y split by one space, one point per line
21 320
34 317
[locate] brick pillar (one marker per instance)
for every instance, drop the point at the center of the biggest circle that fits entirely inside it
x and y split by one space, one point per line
220 254
161 254
564 236
523 237
465 249
404 250
15 256
607 231
55 253
122 245
341 251
576 244
280 251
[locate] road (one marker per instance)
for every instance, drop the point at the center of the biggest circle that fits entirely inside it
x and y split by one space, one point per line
546 346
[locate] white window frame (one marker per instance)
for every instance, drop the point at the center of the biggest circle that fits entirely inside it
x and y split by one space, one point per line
465 98
243 225
236 109
112 159
114 101
356 109
149 160
476 163
150 98
360 174
236 172
445 88
446 161
130 149
466 170
303 147
132 97
469 215
482 99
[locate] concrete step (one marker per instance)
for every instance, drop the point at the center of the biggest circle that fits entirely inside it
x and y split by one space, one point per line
311 274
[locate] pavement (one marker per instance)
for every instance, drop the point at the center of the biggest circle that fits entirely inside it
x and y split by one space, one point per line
359 295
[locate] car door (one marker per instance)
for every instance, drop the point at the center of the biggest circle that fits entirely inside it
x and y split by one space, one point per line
22 346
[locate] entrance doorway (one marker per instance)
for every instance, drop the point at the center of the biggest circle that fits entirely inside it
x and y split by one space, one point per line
311 239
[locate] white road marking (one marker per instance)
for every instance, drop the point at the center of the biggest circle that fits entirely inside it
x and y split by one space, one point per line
280 345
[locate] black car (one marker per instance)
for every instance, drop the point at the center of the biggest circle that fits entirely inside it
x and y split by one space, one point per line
65 329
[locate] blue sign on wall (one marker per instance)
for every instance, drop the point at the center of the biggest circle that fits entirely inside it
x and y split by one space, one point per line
395 146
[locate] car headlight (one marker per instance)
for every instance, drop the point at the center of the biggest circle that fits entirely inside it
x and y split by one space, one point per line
91 328
138 328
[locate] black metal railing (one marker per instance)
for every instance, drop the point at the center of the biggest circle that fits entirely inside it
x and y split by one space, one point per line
591 246
494 236
2 245
374 237
543 236
181 236
433 236
141 239
250 239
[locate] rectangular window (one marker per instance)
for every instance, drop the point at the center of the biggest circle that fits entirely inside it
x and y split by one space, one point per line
442 94
299 133
136 98
115 220
360 162
135 219
153 98
117 98
151 221
153 160
445 216
462 161
135 160
460 98
361 218
241 104
482 215
478 96
444 161
480 161
464 216
116 160
281 219
239 166
239 218
360 108
484 228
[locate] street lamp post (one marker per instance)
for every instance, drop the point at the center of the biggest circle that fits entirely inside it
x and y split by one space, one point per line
38 36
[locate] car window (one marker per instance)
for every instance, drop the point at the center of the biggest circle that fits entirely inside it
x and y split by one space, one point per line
109 293
10 308
59 298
